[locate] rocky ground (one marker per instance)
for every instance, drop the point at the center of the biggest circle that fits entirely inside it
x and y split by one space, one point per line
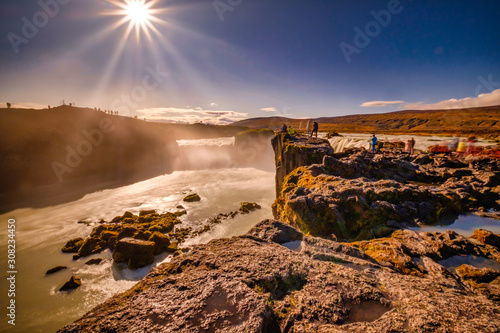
275 279
302 275
362 195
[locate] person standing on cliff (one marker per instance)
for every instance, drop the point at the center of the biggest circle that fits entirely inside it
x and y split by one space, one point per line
284 129
373 143
315 129
411 145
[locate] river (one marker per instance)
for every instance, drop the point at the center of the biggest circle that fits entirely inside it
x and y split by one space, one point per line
41 233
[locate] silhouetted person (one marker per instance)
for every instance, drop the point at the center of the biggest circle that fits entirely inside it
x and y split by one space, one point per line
8 105
373 143
315 129
284 128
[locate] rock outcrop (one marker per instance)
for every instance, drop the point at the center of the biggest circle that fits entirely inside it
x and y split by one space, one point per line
292 152
73 283
363 196
148 226
275 279
136 253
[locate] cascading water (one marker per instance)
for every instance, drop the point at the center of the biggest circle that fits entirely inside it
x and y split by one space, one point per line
211 168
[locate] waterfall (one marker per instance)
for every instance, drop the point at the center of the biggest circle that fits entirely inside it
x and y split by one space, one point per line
339 143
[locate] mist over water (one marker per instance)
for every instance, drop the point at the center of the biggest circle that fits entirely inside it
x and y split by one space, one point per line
210 170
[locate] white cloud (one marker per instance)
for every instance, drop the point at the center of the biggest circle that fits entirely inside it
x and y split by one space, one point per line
489 99
213 105
379 104
192 115
271 109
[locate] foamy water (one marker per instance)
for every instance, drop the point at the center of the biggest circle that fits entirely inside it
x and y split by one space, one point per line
42 232
355 140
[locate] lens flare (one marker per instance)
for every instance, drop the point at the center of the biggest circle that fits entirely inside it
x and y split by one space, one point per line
140 15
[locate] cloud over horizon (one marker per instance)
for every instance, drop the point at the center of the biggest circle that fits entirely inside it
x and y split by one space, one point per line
270 109
192 115
488 99
379 104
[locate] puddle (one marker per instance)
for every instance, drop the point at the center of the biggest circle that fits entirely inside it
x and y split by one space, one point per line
479 262
366 311
465 225
294 246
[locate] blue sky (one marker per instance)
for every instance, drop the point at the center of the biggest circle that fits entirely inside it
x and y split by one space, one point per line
224 60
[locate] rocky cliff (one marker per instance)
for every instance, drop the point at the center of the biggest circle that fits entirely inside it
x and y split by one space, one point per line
292 152
362 196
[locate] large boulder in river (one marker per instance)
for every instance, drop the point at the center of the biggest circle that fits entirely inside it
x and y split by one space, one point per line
192 198
73 245
90 246
73 283
136 253
162 242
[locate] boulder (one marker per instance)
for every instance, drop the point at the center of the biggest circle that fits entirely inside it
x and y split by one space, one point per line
73 245
162 242
73 283
147 212
478 275
55 269
275 231
192 198
137 253
246 207
94 261
487 237
90 246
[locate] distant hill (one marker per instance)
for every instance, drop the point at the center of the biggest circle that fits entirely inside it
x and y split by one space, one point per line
62 153
480 121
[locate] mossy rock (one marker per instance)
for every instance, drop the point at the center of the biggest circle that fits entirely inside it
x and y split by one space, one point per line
192 198
246 207
55 269
73 245
73 283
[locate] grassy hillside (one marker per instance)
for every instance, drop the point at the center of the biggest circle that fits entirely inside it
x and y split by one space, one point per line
65 152
482 121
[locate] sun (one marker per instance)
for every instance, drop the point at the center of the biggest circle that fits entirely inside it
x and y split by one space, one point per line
138 12
140 15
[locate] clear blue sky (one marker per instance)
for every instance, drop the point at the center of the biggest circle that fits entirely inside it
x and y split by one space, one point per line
231 59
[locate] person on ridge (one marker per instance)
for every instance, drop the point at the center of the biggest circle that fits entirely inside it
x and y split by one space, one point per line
291 131
315 129
373 143
284 129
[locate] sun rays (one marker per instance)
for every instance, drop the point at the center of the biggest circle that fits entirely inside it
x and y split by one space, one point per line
140 16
